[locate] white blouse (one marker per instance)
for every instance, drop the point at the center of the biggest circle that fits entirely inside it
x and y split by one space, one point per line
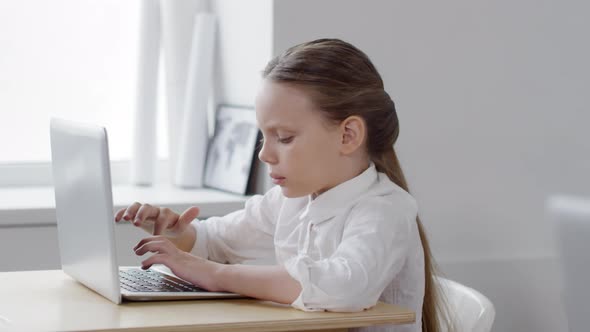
354 245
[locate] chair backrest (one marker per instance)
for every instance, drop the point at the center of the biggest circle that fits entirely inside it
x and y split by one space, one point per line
571 223
470 310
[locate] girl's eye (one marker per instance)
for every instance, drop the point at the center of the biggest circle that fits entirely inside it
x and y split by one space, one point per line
286 139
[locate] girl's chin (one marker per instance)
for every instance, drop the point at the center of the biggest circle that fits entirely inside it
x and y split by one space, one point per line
290 193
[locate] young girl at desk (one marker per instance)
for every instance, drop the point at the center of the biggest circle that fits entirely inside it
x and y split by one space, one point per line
339 223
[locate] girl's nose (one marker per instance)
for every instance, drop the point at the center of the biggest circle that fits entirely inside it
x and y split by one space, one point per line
265 155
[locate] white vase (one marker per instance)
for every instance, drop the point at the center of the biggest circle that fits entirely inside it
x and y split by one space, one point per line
194 134
177 29
144 158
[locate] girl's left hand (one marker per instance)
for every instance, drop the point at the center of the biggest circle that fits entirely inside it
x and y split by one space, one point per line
198 271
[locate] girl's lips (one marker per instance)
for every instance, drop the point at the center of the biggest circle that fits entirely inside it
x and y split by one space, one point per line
277 179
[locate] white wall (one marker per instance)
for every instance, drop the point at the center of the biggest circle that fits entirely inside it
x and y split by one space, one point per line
244 46
493 104
37 248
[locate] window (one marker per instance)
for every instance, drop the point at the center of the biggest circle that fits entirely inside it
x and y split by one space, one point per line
75 59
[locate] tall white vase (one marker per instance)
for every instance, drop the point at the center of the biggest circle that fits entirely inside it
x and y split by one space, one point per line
194 134
144 158
177 29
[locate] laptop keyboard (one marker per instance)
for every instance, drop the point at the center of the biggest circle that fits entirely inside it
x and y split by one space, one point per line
138 280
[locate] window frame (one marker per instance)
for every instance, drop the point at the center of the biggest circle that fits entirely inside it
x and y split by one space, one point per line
39 174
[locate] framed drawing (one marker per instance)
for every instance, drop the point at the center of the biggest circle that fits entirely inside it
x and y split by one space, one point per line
231 149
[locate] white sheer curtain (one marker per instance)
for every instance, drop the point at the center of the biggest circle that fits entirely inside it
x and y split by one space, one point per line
68 58
186 35
85 60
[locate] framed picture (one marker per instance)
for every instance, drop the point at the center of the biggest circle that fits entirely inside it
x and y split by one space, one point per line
231 149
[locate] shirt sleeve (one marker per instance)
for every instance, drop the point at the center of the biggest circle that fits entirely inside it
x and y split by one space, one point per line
373 250
243 235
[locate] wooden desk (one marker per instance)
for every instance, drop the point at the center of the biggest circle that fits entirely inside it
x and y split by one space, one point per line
52 301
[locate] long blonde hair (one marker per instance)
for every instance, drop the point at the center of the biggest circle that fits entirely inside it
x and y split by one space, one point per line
343 82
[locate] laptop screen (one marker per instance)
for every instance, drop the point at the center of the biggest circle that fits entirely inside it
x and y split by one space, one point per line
84 205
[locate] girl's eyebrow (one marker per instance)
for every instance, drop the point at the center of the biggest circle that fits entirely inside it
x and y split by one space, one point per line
274 128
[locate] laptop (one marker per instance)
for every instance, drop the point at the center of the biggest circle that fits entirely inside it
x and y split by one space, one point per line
86 227
570 217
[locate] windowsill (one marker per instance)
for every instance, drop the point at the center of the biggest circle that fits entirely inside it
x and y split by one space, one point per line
30 206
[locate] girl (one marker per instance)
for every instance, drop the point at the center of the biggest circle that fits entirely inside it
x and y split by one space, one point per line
339 223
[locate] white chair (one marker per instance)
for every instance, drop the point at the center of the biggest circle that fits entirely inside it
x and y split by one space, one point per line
570 217
470 310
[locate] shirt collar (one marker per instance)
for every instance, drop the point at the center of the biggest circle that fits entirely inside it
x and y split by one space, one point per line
329 203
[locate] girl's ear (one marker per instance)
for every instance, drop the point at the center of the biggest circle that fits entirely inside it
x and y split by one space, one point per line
353 131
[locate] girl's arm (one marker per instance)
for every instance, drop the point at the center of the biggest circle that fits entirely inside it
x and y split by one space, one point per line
243 235
262 282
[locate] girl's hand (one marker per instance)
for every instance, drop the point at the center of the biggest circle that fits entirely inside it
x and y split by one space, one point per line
156 220
193 269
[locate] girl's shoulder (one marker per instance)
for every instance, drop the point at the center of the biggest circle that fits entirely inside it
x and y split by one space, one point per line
390 190
386 198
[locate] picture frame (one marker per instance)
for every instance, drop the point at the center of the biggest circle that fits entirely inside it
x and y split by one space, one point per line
231 149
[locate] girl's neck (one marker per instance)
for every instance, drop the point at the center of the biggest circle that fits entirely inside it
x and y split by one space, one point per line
351 169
